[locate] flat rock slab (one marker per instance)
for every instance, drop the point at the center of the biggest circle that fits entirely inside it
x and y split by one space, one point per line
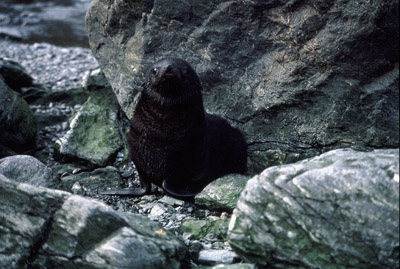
93 181
337 210
213 256
223 193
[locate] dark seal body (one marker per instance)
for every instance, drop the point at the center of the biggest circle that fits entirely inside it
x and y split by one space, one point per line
173 142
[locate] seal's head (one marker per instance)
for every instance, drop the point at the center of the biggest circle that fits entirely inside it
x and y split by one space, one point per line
172 78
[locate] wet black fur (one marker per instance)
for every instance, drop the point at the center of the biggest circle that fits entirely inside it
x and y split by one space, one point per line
173 142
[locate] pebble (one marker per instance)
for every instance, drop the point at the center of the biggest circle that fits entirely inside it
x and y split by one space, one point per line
77 188
215 256
64 125
171 201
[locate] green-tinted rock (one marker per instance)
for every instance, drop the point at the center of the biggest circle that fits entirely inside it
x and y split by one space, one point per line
201 228
337 210
17 123
96 133
223 193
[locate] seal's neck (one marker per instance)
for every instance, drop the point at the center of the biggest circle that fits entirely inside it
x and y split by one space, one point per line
154 107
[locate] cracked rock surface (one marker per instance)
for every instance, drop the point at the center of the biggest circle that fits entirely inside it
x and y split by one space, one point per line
299 78
50 228
337 210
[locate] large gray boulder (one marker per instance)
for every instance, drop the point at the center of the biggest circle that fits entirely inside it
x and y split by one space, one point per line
298 77
27 169
337 210
17 122
45 228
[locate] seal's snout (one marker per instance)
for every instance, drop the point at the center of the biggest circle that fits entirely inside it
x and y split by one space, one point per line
169 71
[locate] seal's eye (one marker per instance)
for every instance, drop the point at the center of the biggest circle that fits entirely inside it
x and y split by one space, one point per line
185 71
155 70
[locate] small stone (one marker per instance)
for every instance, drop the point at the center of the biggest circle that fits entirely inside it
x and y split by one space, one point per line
77 188
76 171
157 211
234 266
148 198
187 236
218 245
64 125
212 257
171 201
206 245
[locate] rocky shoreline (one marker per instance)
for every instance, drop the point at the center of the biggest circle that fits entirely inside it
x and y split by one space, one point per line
313 86
61 69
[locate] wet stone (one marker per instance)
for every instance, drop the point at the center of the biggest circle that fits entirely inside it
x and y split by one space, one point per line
212 257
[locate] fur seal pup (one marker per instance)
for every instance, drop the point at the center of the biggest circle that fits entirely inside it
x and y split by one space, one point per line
173 142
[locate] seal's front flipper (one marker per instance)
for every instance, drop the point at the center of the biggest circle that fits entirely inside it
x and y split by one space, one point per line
186 194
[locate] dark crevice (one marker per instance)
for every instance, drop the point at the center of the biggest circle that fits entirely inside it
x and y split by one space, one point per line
37 246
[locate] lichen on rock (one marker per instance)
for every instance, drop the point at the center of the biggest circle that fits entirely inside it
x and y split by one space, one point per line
96 132
337 210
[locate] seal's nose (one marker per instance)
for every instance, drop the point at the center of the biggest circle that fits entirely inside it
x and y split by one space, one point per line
169 71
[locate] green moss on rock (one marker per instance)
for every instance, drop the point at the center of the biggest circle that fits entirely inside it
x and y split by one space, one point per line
96 134
201 228
223 193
